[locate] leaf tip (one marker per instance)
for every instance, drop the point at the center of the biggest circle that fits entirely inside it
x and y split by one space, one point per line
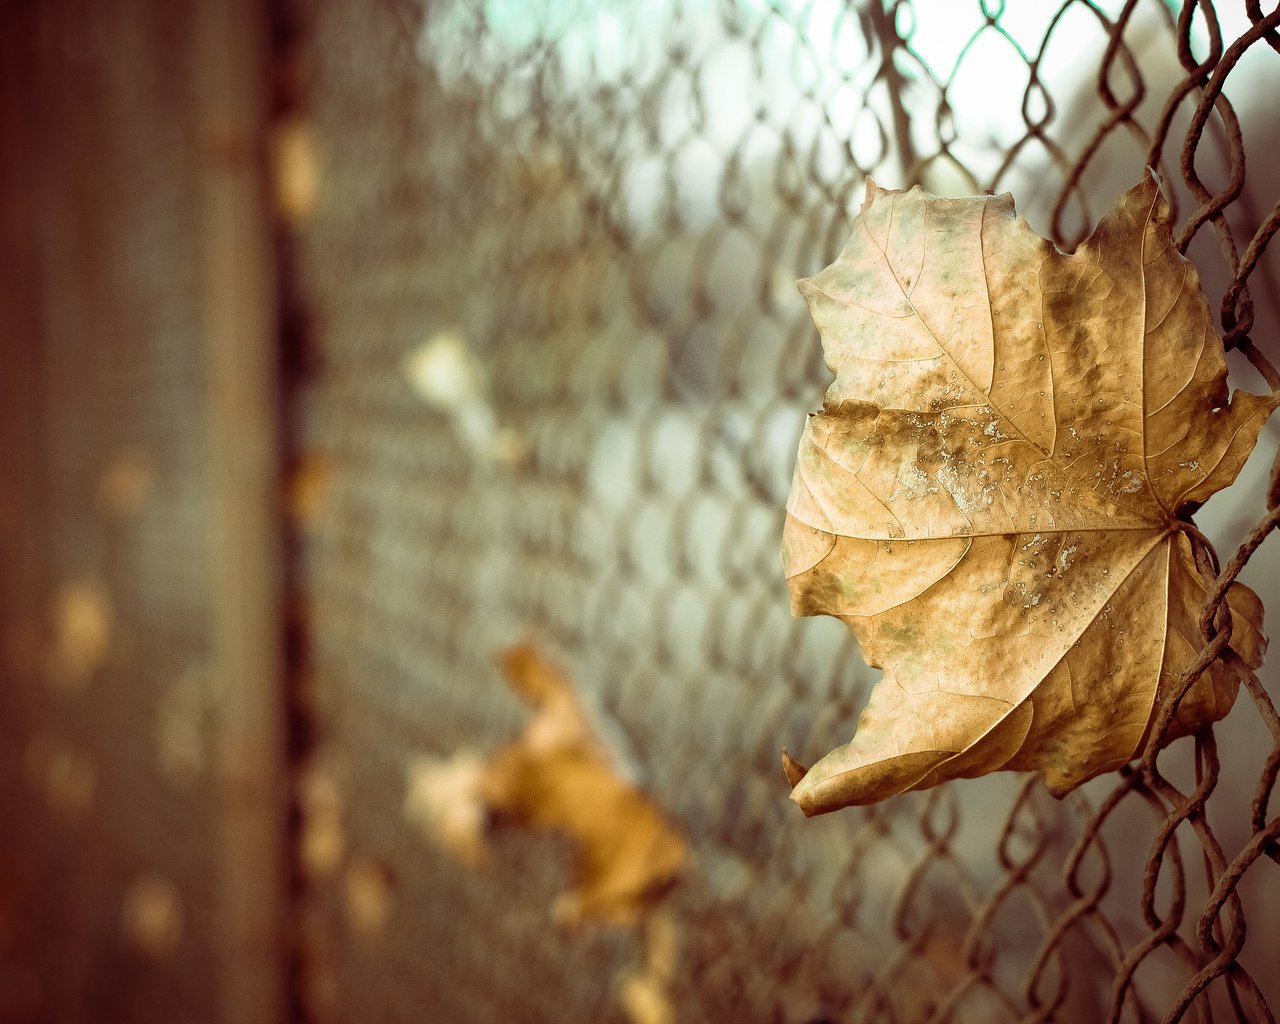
531 674
1150 191
873 190
793 769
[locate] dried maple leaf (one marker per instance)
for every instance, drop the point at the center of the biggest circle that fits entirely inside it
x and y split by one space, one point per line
626 854
995 494
558 775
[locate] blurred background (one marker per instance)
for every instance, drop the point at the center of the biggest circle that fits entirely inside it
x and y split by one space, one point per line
346 344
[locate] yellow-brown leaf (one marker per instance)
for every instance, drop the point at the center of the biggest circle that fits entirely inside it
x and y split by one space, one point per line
996 494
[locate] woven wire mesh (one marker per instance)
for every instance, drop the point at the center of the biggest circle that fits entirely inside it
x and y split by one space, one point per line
597 211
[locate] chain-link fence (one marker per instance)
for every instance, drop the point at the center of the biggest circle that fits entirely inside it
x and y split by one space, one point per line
600 209
545 368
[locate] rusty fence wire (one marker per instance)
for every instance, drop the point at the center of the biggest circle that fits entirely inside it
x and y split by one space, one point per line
548 372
